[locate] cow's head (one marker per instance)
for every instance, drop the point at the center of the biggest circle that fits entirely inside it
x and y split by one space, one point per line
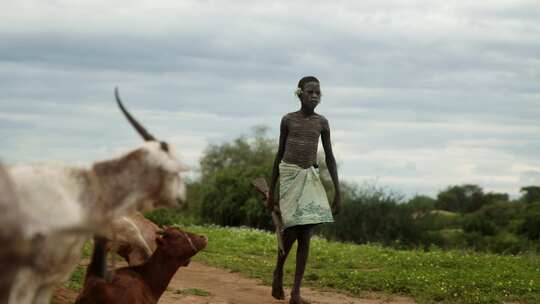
161 166
180 245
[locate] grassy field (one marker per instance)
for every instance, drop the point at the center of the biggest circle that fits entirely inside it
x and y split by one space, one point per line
77 277
428 277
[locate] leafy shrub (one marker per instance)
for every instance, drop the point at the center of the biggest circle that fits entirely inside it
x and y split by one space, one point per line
228 198
370 215
507 243
225 195
531 224
501 213
480 224
169 217
439 219
452 238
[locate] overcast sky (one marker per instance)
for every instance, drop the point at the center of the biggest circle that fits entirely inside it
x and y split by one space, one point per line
419 94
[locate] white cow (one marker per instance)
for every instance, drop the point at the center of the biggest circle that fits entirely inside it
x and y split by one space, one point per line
15 250
63 206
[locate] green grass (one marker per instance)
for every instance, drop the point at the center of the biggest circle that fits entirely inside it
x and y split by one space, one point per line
76 280
428 277
193 291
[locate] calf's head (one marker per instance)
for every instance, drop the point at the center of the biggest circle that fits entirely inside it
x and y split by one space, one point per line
180 245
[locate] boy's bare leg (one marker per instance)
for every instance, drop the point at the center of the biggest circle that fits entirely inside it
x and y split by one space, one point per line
289 236
303 237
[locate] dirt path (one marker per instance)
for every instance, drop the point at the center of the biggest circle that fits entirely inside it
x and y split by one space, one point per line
202 284
226 287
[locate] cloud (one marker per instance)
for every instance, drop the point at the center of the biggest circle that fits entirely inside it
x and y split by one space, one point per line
419 94
530 177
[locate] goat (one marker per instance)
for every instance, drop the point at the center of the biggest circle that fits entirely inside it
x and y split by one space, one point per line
133 238
65 205
143 284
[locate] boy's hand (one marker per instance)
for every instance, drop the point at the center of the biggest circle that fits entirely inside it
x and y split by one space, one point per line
270 202
271 205
336 205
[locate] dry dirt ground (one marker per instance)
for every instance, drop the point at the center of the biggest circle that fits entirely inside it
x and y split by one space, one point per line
220 286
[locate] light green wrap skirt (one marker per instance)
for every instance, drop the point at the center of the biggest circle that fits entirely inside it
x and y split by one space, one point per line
302 199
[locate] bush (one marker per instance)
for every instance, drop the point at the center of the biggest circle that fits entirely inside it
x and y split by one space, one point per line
225 195
228 199
480 224
371 215
421 204
439 219
501 213
169 217
531 223
507 243
452 239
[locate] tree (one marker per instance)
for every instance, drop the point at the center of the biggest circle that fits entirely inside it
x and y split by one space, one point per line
479 224
225 192
421 203
531 194
531 225
464 198
241 152
501 213
494 197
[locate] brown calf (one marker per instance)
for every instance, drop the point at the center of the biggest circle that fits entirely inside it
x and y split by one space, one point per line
143 284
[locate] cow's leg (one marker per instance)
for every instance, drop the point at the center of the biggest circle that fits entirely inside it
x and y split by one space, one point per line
43 295
289 236
24 288
7 279
302 253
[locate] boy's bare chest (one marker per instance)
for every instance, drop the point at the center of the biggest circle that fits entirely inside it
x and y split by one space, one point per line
305 129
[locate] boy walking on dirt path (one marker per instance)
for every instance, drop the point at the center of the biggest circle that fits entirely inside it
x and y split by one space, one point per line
302 198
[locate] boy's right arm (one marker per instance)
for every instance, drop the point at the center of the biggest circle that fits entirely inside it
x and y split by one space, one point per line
270 203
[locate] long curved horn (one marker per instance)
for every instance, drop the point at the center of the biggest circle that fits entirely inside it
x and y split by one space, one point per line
140 129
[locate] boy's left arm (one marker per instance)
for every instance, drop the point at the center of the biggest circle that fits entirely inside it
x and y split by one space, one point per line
331 164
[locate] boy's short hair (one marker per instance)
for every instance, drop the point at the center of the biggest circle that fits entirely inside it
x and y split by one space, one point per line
305 80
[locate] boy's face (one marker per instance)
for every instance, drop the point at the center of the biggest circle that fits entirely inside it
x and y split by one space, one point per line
311 95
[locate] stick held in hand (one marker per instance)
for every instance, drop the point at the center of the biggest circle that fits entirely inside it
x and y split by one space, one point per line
261 186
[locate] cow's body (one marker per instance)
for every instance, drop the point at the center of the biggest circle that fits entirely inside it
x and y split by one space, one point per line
53 197
53 201
34 282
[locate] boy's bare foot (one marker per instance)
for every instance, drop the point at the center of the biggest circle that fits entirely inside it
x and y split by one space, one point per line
277 287
298 300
